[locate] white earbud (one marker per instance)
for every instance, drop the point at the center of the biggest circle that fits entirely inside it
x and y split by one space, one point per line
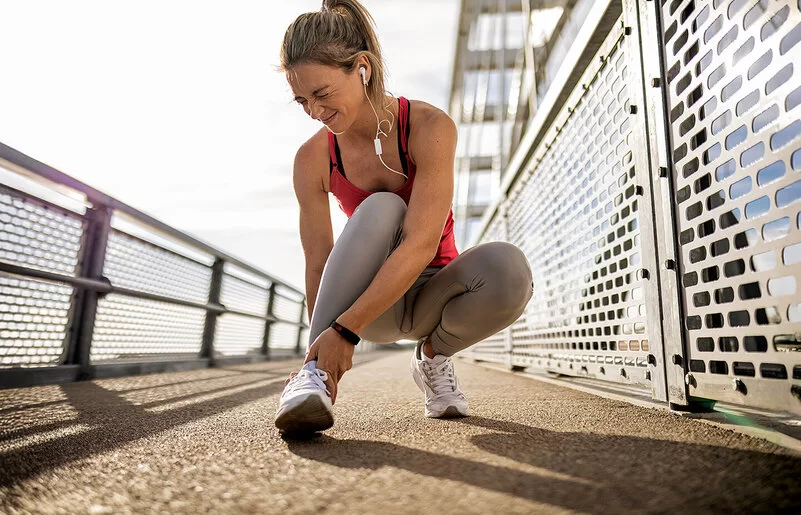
376 141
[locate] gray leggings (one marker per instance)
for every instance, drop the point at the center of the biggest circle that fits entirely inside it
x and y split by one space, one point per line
482 291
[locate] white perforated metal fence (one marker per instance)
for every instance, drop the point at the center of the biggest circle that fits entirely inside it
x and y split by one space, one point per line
734 89
91 287
655 197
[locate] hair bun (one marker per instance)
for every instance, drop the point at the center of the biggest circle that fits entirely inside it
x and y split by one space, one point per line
337 41
334 6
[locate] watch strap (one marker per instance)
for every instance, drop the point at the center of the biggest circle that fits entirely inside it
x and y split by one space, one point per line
346 333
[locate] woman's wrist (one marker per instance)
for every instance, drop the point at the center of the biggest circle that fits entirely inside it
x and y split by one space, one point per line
344 332
350 320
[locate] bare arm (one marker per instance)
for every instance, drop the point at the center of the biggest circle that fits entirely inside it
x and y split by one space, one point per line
425 219
313 278
316 233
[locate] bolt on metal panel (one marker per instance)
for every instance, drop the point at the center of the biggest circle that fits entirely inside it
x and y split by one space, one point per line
733 91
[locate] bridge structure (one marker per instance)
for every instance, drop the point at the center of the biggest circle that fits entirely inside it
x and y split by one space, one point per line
654 190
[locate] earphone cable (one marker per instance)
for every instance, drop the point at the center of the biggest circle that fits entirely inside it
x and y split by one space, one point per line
379 131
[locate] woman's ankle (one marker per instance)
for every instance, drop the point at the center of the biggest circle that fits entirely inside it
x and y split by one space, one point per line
428 349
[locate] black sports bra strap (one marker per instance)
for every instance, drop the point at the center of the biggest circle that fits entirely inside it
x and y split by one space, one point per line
403 132
403 155
339 157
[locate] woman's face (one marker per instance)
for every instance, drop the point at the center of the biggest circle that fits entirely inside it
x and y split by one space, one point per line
327 94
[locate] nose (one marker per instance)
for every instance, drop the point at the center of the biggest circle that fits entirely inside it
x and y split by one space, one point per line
314 111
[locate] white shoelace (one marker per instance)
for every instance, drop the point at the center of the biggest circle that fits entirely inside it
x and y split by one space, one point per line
440 377
318 377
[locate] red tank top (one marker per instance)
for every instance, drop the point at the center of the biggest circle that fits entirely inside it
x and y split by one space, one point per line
349 196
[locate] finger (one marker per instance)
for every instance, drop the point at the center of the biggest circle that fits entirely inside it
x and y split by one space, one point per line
337 379
333 389
293 374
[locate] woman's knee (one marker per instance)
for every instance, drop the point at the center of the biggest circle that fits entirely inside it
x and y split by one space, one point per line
381 214
382 205
511 275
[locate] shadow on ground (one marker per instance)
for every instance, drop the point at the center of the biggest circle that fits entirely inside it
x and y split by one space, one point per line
114 420
591 472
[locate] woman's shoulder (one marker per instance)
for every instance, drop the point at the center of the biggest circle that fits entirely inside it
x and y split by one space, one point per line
314 147
423 111
424 116
312 158
425 120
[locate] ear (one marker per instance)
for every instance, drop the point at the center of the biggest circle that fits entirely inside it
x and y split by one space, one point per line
362 61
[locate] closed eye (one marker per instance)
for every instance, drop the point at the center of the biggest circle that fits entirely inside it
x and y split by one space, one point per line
303 101
316 94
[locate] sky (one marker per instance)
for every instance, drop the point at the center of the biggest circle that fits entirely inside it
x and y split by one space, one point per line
176 107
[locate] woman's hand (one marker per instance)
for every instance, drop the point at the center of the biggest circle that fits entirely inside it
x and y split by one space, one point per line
334 355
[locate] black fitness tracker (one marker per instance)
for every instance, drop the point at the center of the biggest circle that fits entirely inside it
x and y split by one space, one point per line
345 332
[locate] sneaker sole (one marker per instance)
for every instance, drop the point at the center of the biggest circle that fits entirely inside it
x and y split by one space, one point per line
450 412
309 416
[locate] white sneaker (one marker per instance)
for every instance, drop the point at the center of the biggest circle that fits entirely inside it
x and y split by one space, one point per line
305 404
434 376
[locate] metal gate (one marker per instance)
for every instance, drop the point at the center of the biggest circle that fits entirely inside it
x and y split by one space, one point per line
654 198
733 93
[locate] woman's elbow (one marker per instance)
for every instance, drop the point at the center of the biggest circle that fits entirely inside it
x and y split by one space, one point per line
424 248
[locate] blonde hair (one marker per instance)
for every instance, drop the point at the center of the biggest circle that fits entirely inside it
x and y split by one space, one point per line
336 35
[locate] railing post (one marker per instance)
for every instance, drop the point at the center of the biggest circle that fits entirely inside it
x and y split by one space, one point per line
265 345
668 380
82 319
299 343
210 327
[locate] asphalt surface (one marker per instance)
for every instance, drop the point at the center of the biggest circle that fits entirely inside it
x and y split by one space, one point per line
204 441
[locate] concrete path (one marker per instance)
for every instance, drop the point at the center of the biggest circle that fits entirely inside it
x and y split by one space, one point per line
203 441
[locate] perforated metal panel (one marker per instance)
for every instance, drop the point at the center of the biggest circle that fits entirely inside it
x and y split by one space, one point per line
287 304
241 295
136 264
734 92
33 322
304 339
284 336
128 328
237 334
79 272
495 348
495 230
34 314
576 214
38 236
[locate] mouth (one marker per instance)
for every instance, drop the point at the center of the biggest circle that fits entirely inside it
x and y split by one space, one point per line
328 120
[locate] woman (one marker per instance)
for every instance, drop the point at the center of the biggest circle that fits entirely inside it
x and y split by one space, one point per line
394 272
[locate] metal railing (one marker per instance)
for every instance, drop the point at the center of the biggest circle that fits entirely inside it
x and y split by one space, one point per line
91 287
655 195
